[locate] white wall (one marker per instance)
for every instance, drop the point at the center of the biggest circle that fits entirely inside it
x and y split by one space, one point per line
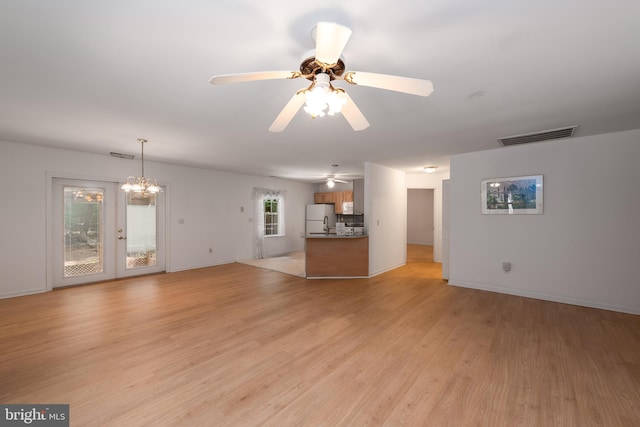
208 201
385 199
420 225
584 249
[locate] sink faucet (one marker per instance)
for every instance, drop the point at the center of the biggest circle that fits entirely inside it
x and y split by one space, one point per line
325 223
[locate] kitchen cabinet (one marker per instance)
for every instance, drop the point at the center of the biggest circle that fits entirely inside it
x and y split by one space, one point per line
334 197
323 198
338 198
337 256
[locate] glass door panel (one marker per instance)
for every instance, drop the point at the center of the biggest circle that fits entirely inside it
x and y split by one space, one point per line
141 230
83 219
140 247
83 231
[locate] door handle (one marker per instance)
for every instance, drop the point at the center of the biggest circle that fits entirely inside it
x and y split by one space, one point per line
122 238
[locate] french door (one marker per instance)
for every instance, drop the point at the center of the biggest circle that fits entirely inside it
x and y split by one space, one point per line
102 233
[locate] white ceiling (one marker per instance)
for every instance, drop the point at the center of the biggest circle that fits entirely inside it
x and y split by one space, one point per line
96 75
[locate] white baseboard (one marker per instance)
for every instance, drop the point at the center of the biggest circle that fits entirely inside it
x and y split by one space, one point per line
201 266
545 297
21 293
386 269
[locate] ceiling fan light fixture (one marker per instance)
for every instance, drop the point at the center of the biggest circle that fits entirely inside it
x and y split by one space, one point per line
323 98
335 102
330 183
315 102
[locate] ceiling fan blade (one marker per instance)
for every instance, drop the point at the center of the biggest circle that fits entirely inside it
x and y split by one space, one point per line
331 38
249 77
324 181
352 113
395 83
287 113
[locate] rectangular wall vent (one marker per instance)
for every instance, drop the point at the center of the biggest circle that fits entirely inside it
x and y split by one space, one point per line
545 135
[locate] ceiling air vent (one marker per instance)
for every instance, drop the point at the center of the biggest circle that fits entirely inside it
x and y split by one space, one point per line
122 156
545 135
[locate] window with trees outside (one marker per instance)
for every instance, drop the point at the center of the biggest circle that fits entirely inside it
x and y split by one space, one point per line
273 217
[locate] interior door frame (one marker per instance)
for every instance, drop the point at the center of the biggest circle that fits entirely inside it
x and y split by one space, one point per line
49 217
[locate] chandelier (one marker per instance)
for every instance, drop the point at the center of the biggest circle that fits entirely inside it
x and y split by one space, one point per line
140 184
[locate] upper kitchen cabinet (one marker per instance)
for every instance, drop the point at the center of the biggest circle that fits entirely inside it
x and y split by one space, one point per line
348 196
334 197
323 198
338 198
342 196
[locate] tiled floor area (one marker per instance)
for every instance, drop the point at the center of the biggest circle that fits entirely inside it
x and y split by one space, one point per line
291 263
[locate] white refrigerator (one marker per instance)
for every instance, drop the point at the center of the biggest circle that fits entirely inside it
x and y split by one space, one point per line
316 222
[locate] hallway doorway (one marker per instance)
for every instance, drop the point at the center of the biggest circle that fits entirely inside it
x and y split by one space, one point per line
420 216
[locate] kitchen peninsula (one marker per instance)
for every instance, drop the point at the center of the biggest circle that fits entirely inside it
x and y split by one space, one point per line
328 255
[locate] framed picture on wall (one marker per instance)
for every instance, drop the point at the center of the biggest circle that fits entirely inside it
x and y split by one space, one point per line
512 195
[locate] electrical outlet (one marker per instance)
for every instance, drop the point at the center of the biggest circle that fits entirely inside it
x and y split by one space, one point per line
210 250
506 267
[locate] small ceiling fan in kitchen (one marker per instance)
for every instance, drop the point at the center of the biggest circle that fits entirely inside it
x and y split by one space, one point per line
321 66
331 181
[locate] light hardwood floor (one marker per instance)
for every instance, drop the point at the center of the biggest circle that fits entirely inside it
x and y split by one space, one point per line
236 345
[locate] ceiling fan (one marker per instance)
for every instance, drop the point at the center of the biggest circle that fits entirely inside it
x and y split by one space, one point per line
321 66
331 181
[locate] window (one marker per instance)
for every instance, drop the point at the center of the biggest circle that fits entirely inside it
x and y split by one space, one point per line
273 215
